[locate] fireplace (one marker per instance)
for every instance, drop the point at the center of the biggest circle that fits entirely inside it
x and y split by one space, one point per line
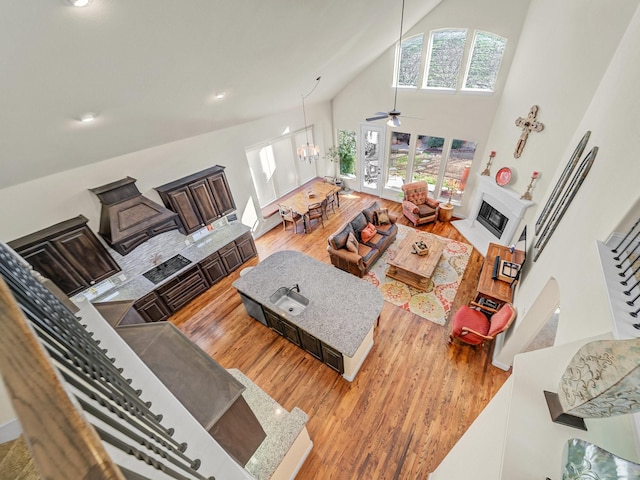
494 215
492 219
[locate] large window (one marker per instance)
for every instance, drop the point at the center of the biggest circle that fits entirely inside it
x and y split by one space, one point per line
484 61
427 160
347 152
398 160
456 170
410 56
275 167
445 58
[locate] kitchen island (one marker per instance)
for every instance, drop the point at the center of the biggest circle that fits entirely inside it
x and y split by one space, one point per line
341 313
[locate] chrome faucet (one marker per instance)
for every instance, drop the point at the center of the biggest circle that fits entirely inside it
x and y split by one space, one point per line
296 287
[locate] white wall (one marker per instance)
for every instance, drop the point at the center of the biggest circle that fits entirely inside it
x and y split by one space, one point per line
40 203
580 64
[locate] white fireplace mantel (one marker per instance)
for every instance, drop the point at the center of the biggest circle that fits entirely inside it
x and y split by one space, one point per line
505 200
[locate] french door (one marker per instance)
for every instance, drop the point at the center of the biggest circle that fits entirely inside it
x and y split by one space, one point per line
371 159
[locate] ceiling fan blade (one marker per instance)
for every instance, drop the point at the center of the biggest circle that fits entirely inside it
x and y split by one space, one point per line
379 117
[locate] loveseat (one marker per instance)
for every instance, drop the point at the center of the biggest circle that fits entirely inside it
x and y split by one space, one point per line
356 254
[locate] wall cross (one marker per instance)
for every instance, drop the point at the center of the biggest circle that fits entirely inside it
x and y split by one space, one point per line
528 125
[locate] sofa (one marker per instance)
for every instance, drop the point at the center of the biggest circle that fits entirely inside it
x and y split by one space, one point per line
417 206
372 231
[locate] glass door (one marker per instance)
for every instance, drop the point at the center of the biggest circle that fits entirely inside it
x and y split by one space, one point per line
371 159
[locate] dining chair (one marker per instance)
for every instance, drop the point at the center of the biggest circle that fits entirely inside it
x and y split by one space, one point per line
330 203
315 212
288 215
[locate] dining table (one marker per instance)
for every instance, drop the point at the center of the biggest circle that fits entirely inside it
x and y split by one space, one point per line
314 193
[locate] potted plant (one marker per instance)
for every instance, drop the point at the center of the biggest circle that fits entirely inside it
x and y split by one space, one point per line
333 155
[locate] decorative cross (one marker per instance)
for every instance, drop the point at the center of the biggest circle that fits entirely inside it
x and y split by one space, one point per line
529 124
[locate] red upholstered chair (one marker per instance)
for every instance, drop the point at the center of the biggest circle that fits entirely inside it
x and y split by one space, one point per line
473 327
417 206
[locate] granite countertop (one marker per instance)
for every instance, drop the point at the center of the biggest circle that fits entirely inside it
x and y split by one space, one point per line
342 307
130 284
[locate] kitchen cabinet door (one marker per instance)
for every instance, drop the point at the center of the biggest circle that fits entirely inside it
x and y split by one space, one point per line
181 201
222 193
82 249
290 332
230 256
273 321
46 260
183 288
67 253
204 200
213 269
246 247
311 344
151 308
332 358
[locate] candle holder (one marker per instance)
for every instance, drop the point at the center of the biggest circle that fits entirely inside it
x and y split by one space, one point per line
527 195
487 169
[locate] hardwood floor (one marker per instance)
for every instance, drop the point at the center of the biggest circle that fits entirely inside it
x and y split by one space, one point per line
413 398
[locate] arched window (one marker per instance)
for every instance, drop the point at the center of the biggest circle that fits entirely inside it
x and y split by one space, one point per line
484 61
410 57
444 58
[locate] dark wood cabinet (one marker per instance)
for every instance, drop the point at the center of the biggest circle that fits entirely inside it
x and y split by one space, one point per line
311 344
69 254
332 358
305 340
151 308
246 247
230 256
183 288
198 199
213 268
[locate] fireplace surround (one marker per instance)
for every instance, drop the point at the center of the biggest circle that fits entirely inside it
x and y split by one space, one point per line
500 208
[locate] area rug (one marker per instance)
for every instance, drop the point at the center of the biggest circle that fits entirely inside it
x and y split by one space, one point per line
434 304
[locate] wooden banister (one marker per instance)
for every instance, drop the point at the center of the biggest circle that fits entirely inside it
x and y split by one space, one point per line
63 444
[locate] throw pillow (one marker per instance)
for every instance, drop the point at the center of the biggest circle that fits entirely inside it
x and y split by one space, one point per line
368 233
383 216
358 224
352 243
339 240
370 213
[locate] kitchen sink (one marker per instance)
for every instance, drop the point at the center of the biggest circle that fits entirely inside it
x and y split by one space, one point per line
289 300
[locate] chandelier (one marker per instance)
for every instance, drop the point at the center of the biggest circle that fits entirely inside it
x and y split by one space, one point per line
308 152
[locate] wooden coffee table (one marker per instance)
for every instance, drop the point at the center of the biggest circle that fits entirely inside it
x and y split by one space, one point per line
411 268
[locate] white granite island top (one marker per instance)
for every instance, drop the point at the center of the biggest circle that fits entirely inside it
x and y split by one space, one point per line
342 307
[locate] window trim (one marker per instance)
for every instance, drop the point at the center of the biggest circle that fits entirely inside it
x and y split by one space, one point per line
398 60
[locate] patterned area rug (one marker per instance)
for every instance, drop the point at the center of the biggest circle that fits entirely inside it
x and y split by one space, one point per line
434 304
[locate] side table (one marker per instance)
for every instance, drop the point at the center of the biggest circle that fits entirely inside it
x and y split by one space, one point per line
446 212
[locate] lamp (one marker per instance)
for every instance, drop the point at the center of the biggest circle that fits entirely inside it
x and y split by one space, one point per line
308 152
601 380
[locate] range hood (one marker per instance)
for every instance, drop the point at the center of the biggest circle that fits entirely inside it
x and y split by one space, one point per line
129 219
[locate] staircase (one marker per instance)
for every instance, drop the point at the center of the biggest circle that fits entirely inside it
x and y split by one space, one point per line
16 462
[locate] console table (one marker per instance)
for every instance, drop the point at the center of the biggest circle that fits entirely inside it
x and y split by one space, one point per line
496 291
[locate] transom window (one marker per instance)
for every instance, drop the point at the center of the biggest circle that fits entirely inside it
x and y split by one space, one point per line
410 56
484 61
446 49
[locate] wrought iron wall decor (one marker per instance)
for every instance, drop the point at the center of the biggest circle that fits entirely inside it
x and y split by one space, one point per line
566 199
562 181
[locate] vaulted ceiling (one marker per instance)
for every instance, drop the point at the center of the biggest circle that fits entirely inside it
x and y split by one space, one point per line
150 69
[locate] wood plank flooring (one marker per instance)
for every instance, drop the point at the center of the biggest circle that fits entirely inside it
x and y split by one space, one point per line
413 398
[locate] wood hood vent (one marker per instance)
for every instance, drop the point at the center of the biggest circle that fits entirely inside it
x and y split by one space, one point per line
128 219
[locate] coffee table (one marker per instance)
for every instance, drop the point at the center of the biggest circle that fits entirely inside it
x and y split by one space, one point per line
411 268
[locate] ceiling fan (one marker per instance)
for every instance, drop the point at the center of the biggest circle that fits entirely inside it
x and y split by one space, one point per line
394 113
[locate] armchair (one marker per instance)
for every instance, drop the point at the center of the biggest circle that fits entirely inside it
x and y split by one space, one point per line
417 206
473 327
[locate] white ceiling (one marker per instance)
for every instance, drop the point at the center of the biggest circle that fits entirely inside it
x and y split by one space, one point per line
150 69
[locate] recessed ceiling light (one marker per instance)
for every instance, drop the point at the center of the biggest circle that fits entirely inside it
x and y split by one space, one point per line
220 95
87 117
80 3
